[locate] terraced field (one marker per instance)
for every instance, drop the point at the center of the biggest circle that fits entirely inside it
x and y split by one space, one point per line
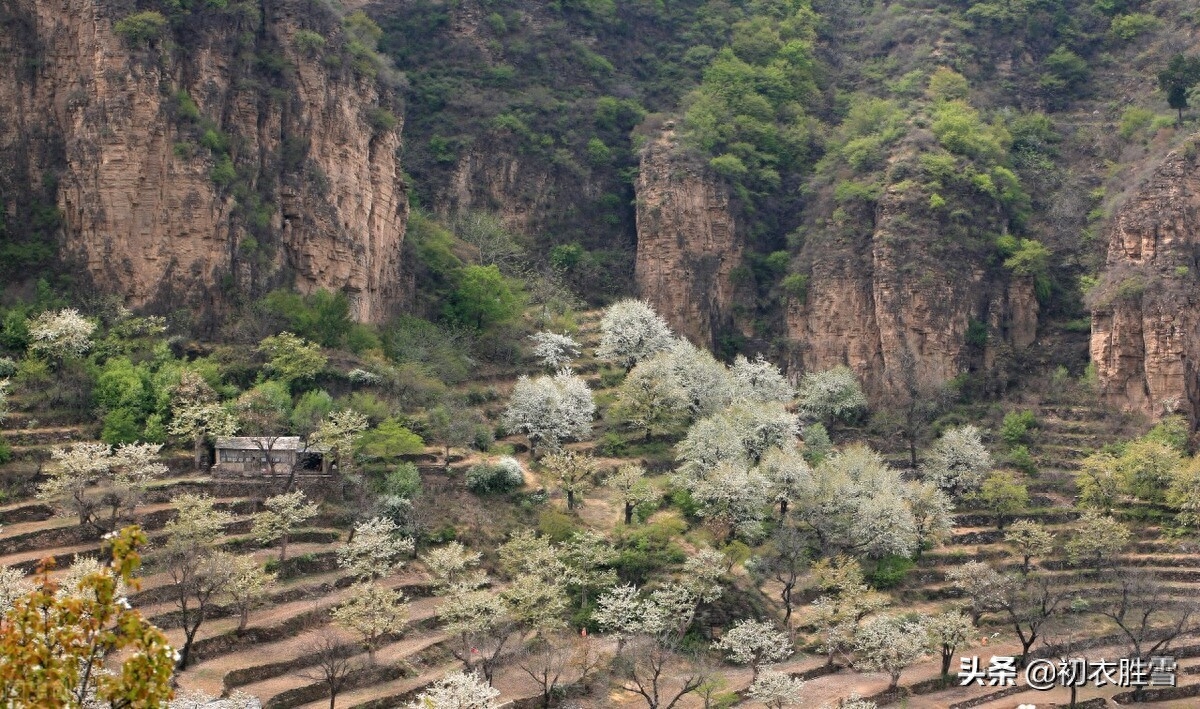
273 658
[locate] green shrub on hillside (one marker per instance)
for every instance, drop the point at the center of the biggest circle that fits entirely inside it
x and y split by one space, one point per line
141 28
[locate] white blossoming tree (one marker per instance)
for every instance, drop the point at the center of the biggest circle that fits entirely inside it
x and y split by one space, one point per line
372 611
198 573
282 516
946 633
742 432
650 399
98 484
249 587
572 472
734 498
554 351
457 690
338 435
958 462
755 643
984 587
1097 539
706 383
197 415
832 394
1031 539
375 549
858 506
932 512
13 585
789 474
631 487
777 689
61 334
453 566
844 602
630 332
549 410
889 644
759 380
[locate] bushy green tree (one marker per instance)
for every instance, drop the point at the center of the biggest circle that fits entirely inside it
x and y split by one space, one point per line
484 297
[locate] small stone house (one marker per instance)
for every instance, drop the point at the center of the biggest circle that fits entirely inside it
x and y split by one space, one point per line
248 454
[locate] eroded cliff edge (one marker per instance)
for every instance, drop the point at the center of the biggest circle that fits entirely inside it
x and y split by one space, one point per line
220 158
1145 325
903 305
688 242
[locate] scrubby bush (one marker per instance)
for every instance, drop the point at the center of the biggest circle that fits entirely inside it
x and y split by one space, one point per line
1016 426
141 27
502 476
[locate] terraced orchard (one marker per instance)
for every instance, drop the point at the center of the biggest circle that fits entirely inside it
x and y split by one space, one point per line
610 518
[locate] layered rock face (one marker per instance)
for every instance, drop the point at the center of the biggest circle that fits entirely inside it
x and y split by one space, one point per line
896 306
315 197
1145 324
688 242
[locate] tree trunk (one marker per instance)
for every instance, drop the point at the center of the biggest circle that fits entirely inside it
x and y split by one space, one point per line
783 504
283 542
332 698
947 656
186 650
628 513
245 619
570 499
912 452
198 452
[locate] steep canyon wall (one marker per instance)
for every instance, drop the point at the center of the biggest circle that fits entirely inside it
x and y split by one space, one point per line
1145 320
283 170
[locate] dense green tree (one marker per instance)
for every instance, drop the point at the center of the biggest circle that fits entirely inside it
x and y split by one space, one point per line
484 297
1180 75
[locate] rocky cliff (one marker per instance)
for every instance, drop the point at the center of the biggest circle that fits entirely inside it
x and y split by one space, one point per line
884 283
208 159
688 243
1145 324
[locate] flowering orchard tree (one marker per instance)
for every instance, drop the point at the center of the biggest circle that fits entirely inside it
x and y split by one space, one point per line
630 332
958 462
832 394
759 380
706 383
198 415
549 410
372 611
755 643
282 516
249 586
375 549
632 488
338 434
61 335
554 351
651 399
457 690
99 484
946 633
858 506
452 565
743 432
573 472
777 689
13 585
889 644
